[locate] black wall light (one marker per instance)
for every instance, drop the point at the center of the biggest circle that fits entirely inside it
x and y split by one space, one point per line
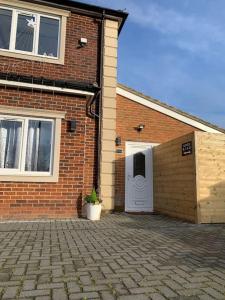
140 127
72 125
118 141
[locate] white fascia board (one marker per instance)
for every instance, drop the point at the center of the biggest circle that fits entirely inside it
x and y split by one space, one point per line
44 88
165 111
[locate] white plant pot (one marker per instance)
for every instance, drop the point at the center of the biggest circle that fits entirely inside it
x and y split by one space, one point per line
94 211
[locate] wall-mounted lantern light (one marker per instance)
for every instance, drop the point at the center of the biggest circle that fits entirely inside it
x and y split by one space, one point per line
118 141
140 127
83 42
72 125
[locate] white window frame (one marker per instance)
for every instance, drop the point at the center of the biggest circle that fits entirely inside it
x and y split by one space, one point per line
21 113
45 11
12 44
23 147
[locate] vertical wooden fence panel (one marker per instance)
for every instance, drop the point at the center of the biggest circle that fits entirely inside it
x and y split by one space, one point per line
175 178
210 159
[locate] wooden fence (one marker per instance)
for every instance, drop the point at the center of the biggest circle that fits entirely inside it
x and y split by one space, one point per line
189 177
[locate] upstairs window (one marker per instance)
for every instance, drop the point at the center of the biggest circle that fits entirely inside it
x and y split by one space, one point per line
29 33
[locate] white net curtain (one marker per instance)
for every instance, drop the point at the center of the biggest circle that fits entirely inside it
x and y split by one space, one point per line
10 141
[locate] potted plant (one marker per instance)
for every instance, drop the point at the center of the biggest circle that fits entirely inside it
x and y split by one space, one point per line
94 206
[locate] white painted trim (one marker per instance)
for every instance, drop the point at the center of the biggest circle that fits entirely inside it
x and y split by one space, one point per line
36 7
32 112
34 55
165 111
131 143
28 176
44 87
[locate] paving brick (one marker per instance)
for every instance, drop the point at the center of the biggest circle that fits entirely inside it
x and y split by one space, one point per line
35 293
10 293
120 257
133 297
105 295
29 285
142 290
95 288
157 296
46 286
215 294
129 283
92 295
59 294
166 291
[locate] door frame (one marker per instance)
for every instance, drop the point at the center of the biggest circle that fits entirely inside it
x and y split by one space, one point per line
132 143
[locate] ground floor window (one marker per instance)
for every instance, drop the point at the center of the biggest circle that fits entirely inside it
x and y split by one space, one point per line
29 144
26 145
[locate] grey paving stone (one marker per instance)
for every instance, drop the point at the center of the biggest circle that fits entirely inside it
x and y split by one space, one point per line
92 295
59 294
29 285
10 293
120 257
133 297
167 291
4 277
157 296
35 293
46 286
215 294
95 288
129 283
142 290
105 295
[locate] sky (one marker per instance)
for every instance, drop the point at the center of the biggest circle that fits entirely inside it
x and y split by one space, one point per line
174 51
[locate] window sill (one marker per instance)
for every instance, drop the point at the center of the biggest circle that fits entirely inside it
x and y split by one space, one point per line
25 178
27 56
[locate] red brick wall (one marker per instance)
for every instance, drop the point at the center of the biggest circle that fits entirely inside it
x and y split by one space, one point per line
78 151
159 128
77 162
81 64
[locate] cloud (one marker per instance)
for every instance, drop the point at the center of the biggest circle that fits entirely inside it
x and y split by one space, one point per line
193 33
190 32
180 55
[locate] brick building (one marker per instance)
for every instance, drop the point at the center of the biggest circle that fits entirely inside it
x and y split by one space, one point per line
61 110
142 123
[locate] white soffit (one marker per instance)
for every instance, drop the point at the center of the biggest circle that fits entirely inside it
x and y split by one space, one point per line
165 111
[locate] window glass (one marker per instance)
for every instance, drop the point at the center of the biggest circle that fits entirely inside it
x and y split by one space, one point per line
139 164
10 141
25 33
48 37
39 145
5 28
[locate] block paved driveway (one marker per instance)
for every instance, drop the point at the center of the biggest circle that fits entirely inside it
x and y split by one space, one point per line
120 257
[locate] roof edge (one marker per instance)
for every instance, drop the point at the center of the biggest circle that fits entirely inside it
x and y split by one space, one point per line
86 9
167 109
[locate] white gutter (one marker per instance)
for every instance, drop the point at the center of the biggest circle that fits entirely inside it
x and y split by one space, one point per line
44 87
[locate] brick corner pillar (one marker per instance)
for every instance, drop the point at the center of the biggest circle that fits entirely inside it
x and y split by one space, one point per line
108 128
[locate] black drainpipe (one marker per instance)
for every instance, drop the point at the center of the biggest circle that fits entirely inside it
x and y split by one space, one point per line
99 140
98 95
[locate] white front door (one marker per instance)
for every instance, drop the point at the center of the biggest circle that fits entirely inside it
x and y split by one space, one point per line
139 177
